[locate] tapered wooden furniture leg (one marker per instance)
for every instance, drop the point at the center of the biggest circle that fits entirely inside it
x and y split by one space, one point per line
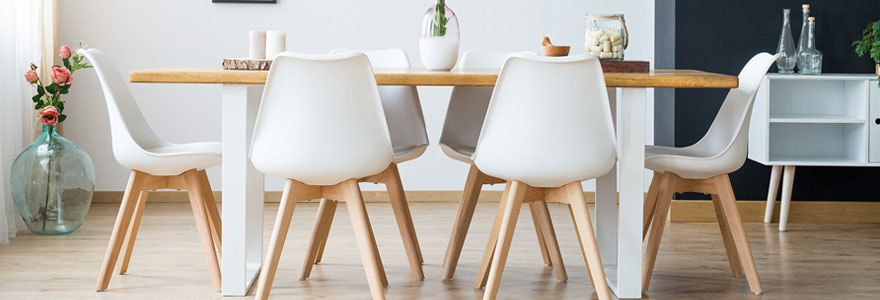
404 222
583 251
542 244
486 263
545 224
651 202
731 214
587 238
213 213
664 200
319 232
729 245
775 173
123 220
505 235
361 225
462 222
326 232
276 243
787 184
132 232
197 201
378 257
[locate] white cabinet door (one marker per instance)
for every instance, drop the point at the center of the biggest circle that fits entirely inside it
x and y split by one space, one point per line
874 122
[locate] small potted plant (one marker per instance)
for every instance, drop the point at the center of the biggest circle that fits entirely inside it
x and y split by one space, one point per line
870 44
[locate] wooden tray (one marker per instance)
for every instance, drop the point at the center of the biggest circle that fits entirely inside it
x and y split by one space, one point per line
246 64
625 66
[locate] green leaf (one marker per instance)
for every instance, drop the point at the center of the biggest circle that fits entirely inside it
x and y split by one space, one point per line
65 89
61 118
60 106
52 88
39 105
66 63
36 97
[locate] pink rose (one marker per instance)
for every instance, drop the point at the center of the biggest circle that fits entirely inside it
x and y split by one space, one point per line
49 115
61 76
31 76
64 52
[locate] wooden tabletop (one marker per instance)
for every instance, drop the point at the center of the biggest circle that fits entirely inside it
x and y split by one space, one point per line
417 76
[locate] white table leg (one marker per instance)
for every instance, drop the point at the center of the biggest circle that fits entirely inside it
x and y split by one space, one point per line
242 192
771 193
619 226
787 182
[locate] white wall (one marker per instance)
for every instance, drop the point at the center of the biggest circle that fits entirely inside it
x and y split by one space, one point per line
139 34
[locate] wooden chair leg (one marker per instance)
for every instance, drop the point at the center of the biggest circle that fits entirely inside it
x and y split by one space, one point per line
213 213
319 235
542 243
729 245
775 173
737 231
583 251
512 207
132 232
123 220
363 233
197 201
651 202
664 200
541 212
276 243
486 263
404 222
326 234
587 238
463 217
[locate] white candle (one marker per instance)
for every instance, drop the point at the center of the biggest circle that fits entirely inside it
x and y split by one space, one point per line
276 42
257 44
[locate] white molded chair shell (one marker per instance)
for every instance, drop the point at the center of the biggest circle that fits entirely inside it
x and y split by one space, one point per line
403 111
321 120
467 107
548 123
135 145
724 148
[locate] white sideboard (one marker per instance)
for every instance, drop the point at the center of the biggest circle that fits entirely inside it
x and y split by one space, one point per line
813 120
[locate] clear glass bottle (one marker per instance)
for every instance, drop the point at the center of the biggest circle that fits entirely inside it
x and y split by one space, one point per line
605 36
802 39
786 48
810 58
52 183
438 42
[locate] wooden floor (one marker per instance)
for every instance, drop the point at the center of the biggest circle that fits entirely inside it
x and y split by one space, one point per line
810 261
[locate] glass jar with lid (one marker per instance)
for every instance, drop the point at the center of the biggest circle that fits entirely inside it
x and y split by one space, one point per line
605 35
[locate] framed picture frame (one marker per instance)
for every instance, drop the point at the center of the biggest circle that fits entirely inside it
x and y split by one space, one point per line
245 1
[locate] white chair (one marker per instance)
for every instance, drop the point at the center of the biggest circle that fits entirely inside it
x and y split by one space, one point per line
703 168
569 138
464 119
322 127
155 164
406 125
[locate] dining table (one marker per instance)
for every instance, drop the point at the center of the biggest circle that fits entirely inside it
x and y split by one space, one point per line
619 194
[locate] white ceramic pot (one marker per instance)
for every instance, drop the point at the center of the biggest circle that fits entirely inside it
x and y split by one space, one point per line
438 53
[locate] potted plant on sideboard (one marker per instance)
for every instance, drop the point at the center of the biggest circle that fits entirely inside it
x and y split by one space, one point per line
870 44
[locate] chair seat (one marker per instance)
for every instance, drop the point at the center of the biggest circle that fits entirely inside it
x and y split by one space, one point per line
174 159
402 154
462 153
685 162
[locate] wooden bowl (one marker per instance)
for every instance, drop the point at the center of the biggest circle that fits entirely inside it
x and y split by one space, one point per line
555 50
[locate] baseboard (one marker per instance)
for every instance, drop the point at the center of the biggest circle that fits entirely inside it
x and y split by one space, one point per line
681 211
799 212
275 196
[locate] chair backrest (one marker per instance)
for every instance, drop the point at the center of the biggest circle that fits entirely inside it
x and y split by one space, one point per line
548 123
467 105
727 137
321 121
130 133
403 111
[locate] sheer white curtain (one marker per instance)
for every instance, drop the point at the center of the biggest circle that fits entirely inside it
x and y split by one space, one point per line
26 33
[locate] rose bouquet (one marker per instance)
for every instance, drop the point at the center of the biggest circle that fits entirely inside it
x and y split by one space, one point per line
48 98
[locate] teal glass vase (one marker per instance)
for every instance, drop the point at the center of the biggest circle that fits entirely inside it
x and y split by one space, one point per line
52 183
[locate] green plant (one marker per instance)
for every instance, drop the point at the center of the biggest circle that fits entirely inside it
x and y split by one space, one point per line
870 42
440 19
